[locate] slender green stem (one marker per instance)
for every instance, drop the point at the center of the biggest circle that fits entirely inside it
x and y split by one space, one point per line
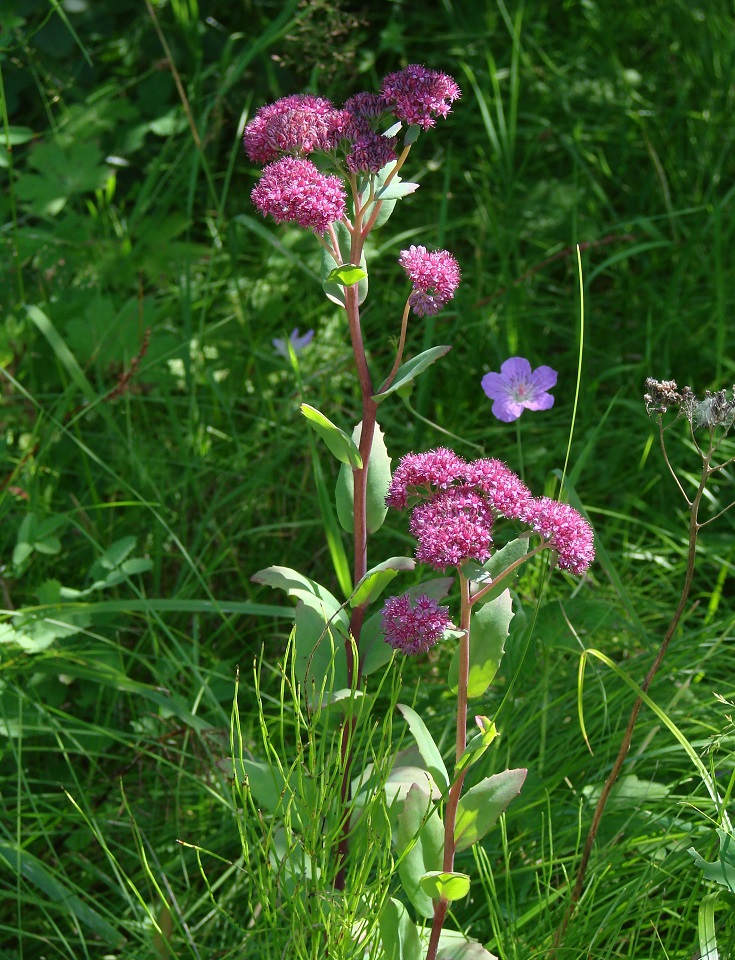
455 791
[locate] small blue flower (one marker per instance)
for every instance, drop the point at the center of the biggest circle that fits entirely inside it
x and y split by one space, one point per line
517 387
298 343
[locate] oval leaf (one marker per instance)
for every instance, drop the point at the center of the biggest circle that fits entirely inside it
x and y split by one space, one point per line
481 576
419 846
481 806
340 444
445 886
427 748
411 369
346 274
477 745
398 933
376 580
488 632
335 291
377 485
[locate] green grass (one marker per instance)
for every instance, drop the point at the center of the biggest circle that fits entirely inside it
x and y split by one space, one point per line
608 126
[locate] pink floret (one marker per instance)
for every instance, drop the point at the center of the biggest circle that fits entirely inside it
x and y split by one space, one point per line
414 627
507 493
416 94
295 190
452 527
418 472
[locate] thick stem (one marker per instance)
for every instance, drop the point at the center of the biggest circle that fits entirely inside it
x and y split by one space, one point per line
694 527
455 791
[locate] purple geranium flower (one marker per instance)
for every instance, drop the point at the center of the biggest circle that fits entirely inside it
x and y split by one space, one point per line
518 386
298 343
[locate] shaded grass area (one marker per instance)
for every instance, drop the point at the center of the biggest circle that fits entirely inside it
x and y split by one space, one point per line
127 211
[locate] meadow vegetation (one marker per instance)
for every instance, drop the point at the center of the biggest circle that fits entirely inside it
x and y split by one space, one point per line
154 456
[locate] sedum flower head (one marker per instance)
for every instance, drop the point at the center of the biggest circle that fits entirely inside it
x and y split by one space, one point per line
435 276
518 387
456 503
566 531
417 95
454 526
298 124
291 189
416 473
414 627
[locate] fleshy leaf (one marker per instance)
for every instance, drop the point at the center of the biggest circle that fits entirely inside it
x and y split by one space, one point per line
346 274
427 748
340 444
411 369
482 575
335 291
321 660
488 632
480 807
455 946
398 933
376 580
419 845
722 871
377 485
477 745
295 584
445 886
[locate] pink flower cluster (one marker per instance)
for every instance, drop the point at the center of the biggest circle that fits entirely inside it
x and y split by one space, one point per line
295 190
416 94
414 627
301 124
455 503
435 277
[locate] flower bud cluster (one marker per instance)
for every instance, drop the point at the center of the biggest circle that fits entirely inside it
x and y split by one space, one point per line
302 124
454 505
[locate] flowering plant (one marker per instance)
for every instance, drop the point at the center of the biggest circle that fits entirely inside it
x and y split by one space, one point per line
336 172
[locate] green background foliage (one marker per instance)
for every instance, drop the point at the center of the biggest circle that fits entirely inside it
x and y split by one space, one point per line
153 451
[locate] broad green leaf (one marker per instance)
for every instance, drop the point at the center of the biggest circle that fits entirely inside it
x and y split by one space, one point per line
445 886
396 190
34 872
425 742
377 485
411 369
346 274
295 584
480 575
722 871
477 745
335 291
480 807
320 637
374 651
419 846
403 777
488 632
339 443
398 933
376 580
412 134
455 946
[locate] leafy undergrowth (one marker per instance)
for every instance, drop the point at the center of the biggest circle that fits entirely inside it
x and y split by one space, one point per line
152 458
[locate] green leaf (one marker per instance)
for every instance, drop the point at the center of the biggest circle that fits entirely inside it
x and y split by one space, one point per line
722 871
445 886
339 443
398 933
480 807
488 632
320 656
411 369
477 745
295 584
376 580
482 575
419 846
335 291
377 485
346 274
427 748
34 872
455 946
412 134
